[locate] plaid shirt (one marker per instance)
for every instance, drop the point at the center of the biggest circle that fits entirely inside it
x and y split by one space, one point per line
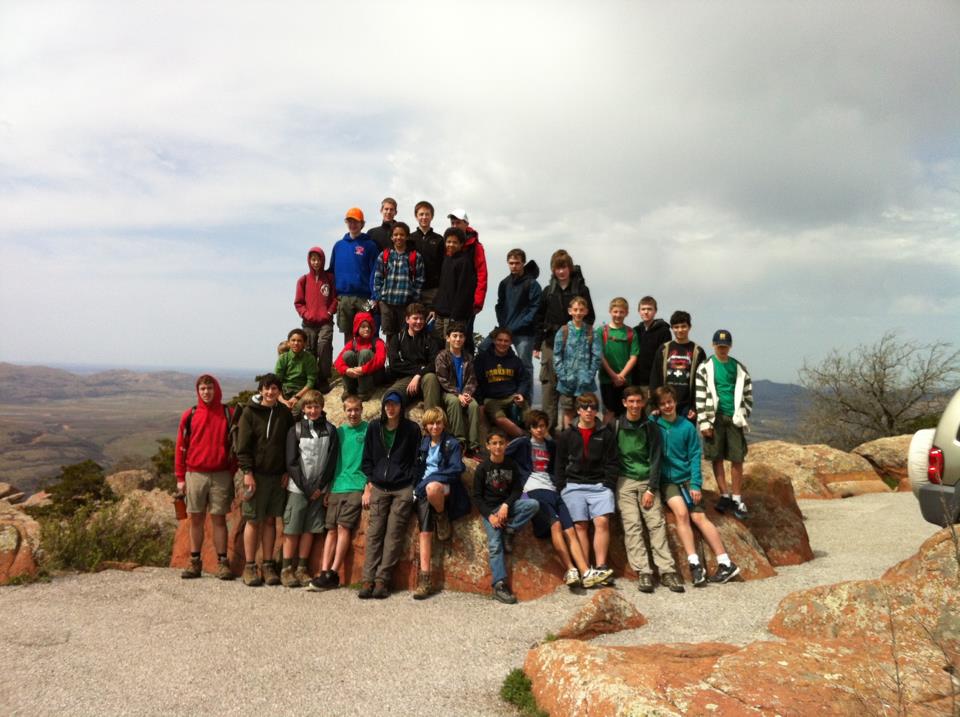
393 282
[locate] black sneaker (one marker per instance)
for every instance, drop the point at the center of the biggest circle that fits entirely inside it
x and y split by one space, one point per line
698 576
724 504
725 573
508 541
319 583
333 579
502 593
740 510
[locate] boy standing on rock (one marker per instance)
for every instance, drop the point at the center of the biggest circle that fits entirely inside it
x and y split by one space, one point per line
351 263
724 401
316 302
652 333
675 364
204 470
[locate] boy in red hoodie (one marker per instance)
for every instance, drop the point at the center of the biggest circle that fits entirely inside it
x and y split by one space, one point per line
204 470
362 359
316 302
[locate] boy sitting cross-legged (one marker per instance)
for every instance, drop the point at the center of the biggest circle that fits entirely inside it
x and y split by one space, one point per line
680 481
439 493
344 501
535 456
587 468
638 444
312 449
458 383
497 486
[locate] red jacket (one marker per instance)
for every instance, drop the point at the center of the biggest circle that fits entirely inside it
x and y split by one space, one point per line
203 447
316 299
480 264
358 344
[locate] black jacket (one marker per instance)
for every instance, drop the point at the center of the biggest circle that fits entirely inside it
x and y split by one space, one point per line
396 467
458 283
650 340
552 313
430 246
599 466
410 355
383 236
495 484
262 438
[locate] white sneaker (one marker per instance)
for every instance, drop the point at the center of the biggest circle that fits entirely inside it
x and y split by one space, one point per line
572 577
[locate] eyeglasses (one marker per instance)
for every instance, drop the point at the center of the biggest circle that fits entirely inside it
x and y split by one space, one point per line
587 406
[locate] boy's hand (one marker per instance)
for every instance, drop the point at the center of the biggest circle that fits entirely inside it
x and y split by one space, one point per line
326 499
504 512
518 398
707 432
414 385
619 380
695 496
249 486
494 519
692 415
464 399
647 500
536 354
284 479
365 499
181 486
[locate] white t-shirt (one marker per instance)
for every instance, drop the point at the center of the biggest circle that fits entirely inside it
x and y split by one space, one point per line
540 460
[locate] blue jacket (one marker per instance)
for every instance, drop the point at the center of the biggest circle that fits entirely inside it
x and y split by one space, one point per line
352 262
577 359
518 299
449 472
681 452
519 450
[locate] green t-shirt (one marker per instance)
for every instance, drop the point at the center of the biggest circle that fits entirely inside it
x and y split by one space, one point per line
617 351
633 450
725 379
348 476
389 436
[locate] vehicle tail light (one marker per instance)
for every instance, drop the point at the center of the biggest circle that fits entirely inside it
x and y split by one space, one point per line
935 465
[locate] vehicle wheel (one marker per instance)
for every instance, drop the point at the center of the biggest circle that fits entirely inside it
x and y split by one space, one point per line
917 457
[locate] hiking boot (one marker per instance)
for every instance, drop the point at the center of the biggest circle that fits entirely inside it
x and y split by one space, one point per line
725 573
698 576
444 529
366 591
724 504
269 570
572 578
508 541
194 570
288 578
380 590
251 578
645 583
503 593
672 582
302 575
224 572
740 510
424 586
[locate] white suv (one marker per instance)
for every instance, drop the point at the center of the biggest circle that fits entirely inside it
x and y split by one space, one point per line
938 486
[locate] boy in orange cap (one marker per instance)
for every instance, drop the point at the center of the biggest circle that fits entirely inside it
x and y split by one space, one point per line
351 263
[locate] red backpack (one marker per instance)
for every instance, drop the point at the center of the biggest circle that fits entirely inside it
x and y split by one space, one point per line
606 335
413 262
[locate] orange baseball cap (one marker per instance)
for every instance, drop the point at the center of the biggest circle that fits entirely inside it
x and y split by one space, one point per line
355 213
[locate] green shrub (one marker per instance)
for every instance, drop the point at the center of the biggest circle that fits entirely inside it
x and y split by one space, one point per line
77 487
163 465
121 532
516 690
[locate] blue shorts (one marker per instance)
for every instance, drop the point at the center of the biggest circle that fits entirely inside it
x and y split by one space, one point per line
588 500
552 509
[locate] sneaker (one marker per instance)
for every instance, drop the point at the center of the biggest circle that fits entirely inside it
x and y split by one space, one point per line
725 573
508 541
224 572
251 578
503 593
380 590
572 578
645 583
424 586
288 578
318 584
270 575
302 575
442 522
698 576
724 504
672 582
333 579
595 576
194 570
740 510
366 591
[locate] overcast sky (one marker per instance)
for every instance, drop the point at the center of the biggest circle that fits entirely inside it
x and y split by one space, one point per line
790 172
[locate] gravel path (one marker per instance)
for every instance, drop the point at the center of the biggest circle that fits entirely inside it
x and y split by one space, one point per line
149 643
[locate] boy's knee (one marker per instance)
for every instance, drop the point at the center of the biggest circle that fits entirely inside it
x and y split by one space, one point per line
602 521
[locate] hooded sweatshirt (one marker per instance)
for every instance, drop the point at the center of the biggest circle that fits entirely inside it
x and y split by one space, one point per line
311 457
358 344
681 452
650 340
316 298
351 264
456 292
518 298
262 438
501 376
202 438
394 466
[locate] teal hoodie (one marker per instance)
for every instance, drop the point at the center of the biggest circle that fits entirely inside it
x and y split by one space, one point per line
681 452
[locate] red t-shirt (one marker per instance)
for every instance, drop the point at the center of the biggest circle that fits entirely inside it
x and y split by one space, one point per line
585 434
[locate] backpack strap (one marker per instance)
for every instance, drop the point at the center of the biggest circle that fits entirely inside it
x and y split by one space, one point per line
299 429
185 443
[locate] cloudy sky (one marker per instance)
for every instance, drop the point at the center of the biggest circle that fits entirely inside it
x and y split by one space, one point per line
790 172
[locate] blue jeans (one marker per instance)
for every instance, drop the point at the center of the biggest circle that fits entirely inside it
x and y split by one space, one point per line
524 347
520 514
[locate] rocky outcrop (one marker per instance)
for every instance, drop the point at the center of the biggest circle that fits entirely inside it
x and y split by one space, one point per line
19 543
853 648
818 471
607 611
888 456
125 482
9 494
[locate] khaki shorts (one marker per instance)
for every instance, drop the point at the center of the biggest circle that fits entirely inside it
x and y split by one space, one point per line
670 490
267 501
344 509
727 442
209 492
568 404
501 408
302 515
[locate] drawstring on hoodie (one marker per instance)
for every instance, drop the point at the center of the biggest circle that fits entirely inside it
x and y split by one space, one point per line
269 419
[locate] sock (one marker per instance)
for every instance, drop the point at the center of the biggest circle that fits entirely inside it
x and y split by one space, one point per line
194 556
251 563
736 497
287 563
222 557
723 559
693 559
728 494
